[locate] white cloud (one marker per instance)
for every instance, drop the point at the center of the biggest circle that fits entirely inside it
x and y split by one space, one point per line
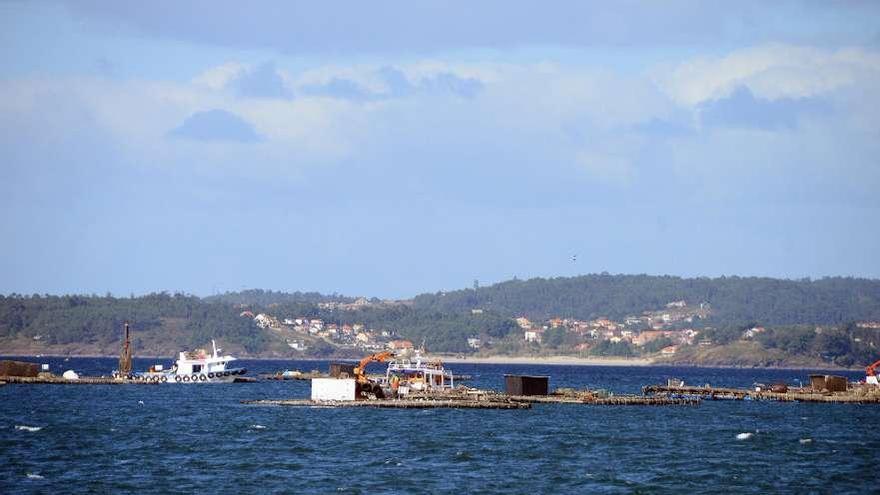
770 72
562 116
218 78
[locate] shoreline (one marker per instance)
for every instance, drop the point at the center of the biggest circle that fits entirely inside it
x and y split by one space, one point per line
515 360
547 360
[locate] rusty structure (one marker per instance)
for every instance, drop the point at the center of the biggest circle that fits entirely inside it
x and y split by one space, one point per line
525 385
338 369
19 368
125 355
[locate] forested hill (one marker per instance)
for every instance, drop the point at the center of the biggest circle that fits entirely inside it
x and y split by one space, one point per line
166 323
262 297
732 299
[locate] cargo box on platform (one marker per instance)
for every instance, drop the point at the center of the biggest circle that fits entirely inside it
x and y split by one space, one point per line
333 388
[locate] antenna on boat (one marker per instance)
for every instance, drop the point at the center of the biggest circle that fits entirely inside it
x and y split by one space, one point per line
214 345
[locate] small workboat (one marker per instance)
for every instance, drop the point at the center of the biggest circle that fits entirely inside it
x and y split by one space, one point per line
194 367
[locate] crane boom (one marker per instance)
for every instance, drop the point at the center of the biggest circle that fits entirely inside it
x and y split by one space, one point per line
377 357
871 373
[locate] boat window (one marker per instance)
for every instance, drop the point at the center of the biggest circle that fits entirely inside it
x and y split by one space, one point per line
197 368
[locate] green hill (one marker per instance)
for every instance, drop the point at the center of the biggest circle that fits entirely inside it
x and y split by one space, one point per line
733 299
163 323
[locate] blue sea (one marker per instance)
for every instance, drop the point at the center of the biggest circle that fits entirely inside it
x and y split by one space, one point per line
187 439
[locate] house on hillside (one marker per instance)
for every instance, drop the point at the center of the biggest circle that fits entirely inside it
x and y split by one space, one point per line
399 345
647 336
752 332
668 350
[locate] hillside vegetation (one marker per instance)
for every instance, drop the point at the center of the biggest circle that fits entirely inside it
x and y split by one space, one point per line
792 311
733 299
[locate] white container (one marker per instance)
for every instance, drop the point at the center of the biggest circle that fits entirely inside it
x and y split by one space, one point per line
45 367
70 375
333 388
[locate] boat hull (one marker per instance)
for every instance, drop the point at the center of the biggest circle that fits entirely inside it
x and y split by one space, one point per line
227 376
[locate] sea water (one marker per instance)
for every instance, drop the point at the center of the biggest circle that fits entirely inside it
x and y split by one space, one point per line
200 438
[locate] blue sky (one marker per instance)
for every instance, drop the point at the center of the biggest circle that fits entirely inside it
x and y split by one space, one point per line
387 149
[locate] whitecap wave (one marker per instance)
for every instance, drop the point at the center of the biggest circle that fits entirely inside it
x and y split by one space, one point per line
258 427
806 440
34 476
28 428
744 436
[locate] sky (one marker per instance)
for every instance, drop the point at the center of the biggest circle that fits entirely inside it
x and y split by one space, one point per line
392 148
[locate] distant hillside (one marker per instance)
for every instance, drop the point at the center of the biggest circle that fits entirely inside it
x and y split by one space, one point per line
733 299
162 324
805 320
260 297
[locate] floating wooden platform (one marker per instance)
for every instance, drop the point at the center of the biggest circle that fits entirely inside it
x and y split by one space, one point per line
858 396
92 380
301 376
396 403
83 380
613 400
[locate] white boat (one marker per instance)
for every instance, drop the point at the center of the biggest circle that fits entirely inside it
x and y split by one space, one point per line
195 367
415 375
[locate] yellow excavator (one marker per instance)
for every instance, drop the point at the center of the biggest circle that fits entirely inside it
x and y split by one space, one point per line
365 386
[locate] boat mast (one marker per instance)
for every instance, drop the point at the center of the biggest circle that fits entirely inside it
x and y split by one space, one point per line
125 355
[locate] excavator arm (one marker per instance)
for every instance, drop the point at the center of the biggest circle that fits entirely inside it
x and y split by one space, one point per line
871 370
359 371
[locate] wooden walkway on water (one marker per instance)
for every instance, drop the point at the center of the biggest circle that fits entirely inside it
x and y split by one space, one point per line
90 380
612 400
395 403
83 380
857 396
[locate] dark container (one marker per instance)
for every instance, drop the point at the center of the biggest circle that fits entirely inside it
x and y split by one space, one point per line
337 369
835 383
18 368
830 383
526 385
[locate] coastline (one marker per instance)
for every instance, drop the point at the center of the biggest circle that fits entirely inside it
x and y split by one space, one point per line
543 360
547 360
517 360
